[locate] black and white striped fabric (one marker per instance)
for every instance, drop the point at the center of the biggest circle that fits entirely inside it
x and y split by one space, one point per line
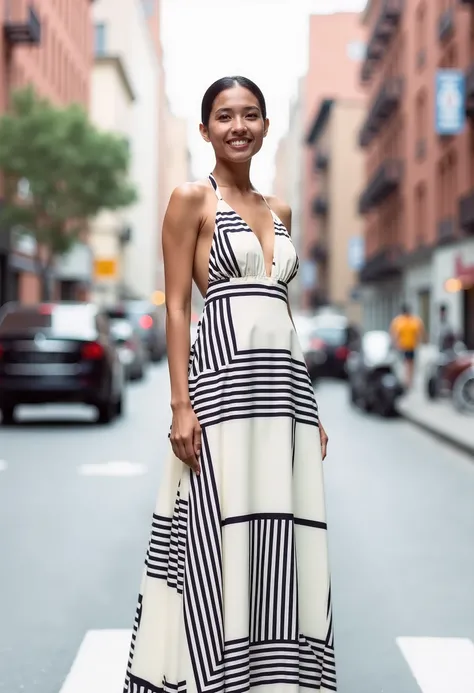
236 588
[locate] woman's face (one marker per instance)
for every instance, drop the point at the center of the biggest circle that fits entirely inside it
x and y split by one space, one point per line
236 126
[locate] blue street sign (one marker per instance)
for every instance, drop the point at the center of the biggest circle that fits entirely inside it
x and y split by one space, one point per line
450 102
356 252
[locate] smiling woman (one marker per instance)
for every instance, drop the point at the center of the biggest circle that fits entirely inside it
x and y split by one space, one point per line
236 589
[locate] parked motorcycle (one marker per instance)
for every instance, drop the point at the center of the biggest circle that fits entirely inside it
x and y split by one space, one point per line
443 373
374 384
463 390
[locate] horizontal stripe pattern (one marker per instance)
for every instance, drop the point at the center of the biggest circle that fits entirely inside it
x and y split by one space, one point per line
138 685
167 547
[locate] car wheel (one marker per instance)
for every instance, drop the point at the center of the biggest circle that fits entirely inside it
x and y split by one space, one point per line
107 412
119 406
8 415
432 388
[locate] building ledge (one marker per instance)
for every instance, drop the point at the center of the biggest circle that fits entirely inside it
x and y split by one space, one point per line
117 62
388 262
384 28
319 121
383 106
383 183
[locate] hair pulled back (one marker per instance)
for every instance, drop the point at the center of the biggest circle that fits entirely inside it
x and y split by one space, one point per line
227 83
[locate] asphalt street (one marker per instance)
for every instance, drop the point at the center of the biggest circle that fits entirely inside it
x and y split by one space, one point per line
75 507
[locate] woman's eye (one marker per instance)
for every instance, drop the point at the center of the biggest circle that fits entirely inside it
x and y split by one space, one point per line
252 115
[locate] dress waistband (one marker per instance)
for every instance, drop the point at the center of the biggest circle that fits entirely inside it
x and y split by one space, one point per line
247 286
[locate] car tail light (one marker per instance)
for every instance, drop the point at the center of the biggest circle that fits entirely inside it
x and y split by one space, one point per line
2 351
92 351
342 353
146 321
317 343
45 309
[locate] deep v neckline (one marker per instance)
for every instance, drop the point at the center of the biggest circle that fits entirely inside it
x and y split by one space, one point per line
268 275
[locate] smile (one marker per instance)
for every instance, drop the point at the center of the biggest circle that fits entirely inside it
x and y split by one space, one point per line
239 143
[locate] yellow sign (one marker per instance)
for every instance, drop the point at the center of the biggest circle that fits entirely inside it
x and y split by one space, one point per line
105 268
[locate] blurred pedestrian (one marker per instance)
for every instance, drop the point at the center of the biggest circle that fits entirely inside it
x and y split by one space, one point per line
407 331
447 336
236 589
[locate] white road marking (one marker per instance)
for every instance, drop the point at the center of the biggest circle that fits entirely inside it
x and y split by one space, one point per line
440 665
3 465
119 468
100 664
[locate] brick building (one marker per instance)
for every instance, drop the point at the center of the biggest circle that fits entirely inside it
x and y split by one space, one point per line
335 50
418 197
47 43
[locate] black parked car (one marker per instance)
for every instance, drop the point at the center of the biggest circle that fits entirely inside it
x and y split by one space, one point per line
58 352
149 322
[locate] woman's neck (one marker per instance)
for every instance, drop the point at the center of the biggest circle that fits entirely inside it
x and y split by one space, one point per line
233 176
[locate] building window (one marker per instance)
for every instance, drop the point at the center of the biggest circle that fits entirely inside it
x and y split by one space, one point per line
420 214
100 38
421 35
421 124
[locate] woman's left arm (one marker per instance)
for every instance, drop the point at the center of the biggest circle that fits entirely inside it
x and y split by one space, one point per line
283 211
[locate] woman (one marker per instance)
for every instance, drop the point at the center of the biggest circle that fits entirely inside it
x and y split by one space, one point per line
236 589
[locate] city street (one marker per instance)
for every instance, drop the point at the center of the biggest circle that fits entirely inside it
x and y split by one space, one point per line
75 508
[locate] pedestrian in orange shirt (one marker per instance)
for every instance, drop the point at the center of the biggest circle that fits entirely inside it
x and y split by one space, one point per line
407 331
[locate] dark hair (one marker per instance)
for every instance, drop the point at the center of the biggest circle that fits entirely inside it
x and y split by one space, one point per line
443 308
227 83
405 308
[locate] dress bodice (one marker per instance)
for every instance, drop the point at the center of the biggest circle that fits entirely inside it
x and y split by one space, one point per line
237 252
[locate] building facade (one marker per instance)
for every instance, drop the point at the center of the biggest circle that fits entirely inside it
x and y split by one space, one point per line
338 164
47 44
287 183
335 40
122 35
112 100
418 197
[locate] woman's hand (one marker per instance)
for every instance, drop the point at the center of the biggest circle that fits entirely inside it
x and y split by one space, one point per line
185 436
324 440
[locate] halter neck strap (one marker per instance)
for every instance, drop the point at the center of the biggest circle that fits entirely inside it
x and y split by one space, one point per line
215 186
219 196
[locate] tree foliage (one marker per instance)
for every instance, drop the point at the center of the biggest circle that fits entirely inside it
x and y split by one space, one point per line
73 170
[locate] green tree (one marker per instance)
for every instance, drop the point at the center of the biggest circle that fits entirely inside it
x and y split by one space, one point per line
72 171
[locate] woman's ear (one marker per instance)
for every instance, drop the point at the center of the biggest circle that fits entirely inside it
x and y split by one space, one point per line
204 133
265 127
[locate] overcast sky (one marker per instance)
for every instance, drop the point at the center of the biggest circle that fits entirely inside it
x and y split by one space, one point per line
265 40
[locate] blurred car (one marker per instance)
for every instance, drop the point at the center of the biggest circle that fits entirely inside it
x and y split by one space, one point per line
131 349
303 325
58 352
329 344
374 384
149 323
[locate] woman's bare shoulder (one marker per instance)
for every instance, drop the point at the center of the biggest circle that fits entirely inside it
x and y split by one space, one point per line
191 192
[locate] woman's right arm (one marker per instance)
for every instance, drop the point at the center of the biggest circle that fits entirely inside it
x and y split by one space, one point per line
180 232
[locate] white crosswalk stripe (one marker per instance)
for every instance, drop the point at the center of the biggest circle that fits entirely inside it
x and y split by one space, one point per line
100 664
440 665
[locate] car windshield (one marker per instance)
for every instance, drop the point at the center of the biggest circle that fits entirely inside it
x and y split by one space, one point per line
59 320
333 336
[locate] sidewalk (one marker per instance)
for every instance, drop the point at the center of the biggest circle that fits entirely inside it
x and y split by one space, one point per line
438 417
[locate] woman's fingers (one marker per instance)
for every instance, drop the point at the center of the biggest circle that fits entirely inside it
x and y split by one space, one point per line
197 442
